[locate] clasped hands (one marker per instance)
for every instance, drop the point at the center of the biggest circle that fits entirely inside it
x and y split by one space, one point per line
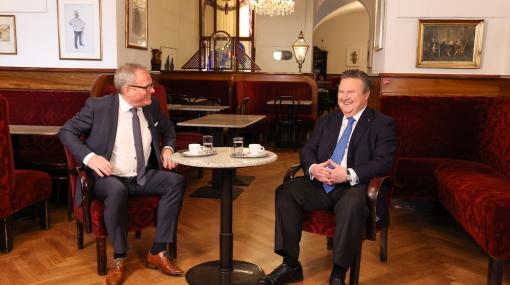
329 175
103 167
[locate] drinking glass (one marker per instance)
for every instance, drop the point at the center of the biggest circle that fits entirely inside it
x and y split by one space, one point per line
238 146
207 142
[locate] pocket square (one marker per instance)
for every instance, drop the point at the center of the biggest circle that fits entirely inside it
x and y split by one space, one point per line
156 124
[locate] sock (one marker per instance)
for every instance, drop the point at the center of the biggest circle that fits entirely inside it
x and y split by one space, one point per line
338 272
158 247
291 261
119 255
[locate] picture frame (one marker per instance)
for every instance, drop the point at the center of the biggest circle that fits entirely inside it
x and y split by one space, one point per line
353 56
380 12
449 43
79 29
137 30
8 43
169 53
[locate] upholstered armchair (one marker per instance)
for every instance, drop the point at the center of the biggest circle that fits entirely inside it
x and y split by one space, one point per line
18 188
379 195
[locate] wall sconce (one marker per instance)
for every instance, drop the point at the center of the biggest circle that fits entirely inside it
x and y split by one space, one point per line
300 48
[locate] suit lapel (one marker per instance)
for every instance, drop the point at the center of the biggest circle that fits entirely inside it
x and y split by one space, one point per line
335 131
114 122
361 128
155 143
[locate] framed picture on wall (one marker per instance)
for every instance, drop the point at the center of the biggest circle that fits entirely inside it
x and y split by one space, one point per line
8 34
79 29
353 56
137 30
449 43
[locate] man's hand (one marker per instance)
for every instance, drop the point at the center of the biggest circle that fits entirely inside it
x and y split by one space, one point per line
100 165
337 173
322 173
166 154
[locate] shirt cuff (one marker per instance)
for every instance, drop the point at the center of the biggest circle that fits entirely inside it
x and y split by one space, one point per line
170 148
310 171
354 177
87 158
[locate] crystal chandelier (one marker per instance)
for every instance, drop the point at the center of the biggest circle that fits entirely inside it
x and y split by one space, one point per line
272 7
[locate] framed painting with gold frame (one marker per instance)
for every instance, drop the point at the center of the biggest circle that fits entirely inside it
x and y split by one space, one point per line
449 43
137 30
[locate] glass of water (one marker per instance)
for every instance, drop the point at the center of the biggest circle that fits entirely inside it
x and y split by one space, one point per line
238 146
207 142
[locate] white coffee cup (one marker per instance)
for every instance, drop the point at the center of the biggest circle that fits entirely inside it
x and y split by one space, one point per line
195 148
256 148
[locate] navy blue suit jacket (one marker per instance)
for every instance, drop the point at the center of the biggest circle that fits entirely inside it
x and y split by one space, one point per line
97 121
371 148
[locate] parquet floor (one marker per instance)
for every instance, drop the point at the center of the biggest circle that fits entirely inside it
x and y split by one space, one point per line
425 245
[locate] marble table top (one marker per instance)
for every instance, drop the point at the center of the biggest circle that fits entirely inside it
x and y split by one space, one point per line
222 159
33 130
223 121
198 108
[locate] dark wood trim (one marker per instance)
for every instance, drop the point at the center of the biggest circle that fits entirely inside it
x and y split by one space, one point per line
433 75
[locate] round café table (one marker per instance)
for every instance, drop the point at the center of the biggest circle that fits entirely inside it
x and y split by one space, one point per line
225 270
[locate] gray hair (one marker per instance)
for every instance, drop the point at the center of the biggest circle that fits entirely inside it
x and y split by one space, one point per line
358 74
125 75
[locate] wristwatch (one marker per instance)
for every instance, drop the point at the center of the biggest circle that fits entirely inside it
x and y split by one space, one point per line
348 177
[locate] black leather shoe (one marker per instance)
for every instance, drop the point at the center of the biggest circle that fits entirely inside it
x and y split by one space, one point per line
283 274
336 281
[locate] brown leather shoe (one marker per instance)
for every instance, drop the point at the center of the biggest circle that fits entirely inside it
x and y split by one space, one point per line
163 262
116 272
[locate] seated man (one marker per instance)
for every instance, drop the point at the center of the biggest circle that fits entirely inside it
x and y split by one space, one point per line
344 152
122 148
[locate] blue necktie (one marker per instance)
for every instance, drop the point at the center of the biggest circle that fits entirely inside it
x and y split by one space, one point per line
339 151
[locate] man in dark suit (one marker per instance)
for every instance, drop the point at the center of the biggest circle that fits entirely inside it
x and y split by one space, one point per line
345 150
123 133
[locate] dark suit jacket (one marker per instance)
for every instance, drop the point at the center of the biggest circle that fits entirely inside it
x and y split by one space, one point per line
97 121
371 148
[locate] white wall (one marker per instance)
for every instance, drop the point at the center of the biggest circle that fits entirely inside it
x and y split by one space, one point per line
399 54
279 33
341 32
37 40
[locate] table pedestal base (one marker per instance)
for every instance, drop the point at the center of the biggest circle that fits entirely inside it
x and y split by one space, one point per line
211 192
243 273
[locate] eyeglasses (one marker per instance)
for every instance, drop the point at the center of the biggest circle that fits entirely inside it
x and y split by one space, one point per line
147 87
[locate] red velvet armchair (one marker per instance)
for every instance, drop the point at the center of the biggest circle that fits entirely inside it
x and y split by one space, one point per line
379 194
18 188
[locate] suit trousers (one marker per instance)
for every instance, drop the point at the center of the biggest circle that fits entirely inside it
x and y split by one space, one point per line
114 191
300 195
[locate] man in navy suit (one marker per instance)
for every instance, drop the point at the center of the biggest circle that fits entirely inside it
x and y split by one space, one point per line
345 150
122 148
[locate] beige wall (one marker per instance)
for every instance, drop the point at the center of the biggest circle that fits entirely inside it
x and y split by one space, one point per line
279 33
173 27
340 33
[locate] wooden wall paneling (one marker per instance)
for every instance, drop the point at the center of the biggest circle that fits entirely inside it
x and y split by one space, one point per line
49 79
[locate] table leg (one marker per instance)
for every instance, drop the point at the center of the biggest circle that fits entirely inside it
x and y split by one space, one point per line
226 270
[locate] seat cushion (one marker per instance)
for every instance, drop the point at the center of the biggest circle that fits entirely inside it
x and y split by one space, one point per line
320 222
30 187
478 197
141 212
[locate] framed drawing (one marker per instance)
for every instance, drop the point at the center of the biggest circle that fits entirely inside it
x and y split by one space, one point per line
137 29
8 34
79 29
168 57
380 10
449 43
352 56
